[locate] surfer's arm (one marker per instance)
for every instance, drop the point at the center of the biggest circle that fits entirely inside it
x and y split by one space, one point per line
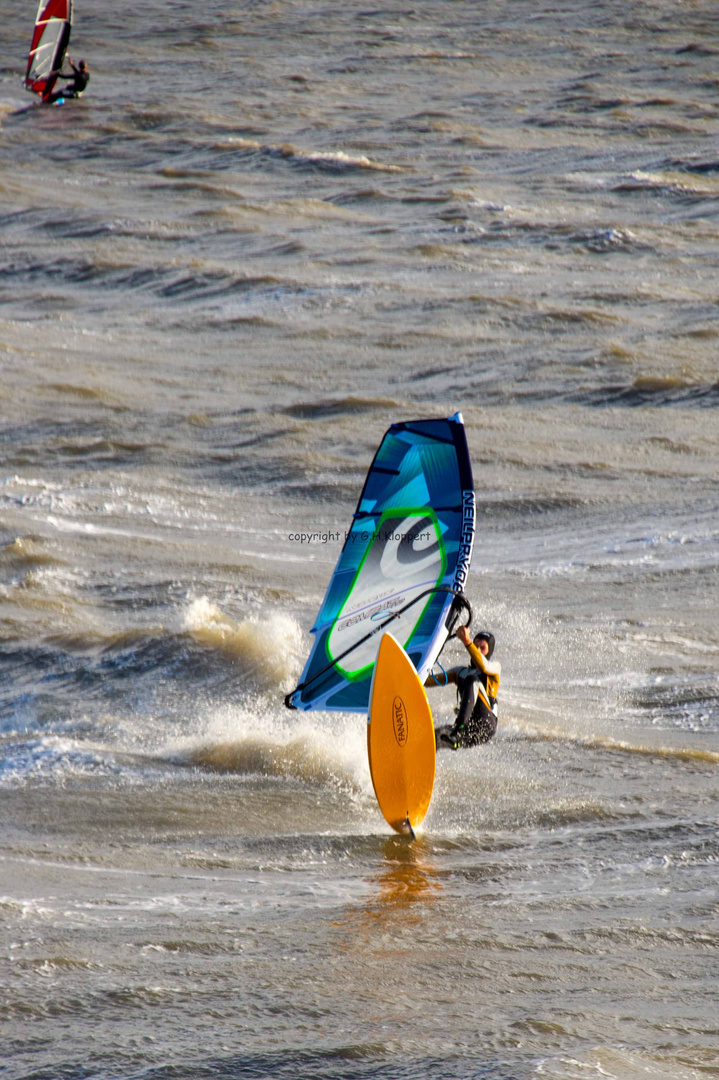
442 679
70 75
476 656
491 670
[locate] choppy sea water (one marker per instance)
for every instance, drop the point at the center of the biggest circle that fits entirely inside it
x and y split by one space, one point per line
266 232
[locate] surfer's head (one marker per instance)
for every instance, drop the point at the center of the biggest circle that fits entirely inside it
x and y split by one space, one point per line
484 642
82 65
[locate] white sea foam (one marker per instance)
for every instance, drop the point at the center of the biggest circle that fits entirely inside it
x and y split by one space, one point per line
269 644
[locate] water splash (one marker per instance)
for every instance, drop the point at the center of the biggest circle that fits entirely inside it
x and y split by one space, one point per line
270 646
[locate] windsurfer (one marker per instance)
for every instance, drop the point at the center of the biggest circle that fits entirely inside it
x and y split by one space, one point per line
78 80
477 688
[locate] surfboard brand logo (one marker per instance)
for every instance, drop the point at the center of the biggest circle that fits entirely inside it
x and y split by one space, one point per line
399 721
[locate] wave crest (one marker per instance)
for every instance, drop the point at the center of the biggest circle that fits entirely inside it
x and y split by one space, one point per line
270 647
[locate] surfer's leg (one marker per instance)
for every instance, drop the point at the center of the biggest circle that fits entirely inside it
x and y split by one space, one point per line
446 738
468 695
480 727
475 723
453 736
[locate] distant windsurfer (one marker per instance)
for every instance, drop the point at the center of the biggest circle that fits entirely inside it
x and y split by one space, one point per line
78 80
477 688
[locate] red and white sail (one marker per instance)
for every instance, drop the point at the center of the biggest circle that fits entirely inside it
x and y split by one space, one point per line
50 40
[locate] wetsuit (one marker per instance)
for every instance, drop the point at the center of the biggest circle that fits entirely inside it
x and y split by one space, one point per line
78 81
477 687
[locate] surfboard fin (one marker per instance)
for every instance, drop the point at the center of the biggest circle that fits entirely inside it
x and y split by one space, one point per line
407 827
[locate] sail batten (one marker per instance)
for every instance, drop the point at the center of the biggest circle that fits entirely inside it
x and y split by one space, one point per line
406 554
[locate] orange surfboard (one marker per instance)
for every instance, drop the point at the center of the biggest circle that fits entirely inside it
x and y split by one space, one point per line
400 739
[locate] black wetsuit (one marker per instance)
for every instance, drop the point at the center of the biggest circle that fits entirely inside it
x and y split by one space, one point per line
476 722
78 81
477 687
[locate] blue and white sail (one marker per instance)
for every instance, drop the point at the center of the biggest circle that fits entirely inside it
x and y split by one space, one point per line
408 551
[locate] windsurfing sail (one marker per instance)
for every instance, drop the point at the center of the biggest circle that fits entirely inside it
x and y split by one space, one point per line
50 40
408 551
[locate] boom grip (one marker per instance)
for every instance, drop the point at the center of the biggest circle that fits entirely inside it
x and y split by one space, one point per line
460 602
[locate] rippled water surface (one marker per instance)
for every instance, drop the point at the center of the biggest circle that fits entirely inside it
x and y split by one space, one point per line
266 232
